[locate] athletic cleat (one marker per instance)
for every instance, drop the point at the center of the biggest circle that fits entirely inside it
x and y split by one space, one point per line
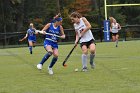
31 52
116 45
50 71
93 66
85 69
39 66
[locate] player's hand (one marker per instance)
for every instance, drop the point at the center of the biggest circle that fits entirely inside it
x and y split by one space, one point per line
41 32
63 36
20 40
76 42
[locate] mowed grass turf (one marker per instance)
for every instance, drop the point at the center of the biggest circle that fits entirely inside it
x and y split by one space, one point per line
117 70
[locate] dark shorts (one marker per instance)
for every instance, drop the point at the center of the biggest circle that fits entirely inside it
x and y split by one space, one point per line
114 34
87 43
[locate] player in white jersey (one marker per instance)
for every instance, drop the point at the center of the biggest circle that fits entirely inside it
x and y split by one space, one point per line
115 27
82 29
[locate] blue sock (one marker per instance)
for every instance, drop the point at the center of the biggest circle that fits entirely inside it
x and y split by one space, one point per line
30 48
45 57
53 62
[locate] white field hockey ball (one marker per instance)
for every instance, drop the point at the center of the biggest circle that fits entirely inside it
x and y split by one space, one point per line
76 70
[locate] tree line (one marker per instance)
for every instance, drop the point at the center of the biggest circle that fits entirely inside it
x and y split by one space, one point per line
15 15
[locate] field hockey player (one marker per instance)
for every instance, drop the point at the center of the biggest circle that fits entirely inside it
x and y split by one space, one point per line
50 43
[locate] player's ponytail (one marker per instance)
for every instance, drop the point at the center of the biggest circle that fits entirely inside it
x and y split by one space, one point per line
57 18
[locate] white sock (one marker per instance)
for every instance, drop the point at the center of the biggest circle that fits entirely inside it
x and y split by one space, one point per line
84 60
116 42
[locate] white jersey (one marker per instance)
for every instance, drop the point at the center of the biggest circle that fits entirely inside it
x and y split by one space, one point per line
87 35
115 28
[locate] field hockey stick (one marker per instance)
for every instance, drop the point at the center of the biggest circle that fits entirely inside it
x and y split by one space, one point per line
53 35
70 53
48 33
79 34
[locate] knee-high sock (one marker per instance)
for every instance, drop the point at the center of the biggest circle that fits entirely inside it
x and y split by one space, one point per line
30 48
116 42
53 62
84 60
92 59
45 57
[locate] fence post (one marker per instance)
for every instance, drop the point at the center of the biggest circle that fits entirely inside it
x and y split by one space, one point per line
125 32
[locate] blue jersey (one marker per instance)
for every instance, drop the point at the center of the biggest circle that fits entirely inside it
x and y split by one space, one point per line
54 31
52 39
31 35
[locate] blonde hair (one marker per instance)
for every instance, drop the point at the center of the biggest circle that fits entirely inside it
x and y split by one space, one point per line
111 19
31 25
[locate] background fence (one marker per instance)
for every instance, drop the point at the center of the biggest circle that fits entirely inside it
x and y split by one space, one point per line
128 32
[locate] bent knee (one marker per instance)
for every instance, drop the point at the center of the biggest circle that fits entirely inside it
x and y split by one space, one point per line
55 54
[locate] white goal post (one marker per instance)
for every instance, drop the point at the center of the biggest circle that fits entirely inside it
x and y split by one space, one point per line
116 5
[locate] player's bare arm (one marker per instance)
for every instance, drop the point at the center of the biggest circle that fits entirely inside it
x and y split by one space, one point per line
62 33
88 26
24 37
45 28
77 37
119 27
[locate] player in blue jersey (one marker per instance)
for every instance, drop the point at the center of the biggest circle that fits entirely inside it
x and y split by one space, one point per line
31 35
52 31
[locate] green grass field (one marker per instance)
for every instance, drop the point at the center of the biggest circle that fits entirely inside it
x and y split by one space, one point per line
117 70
